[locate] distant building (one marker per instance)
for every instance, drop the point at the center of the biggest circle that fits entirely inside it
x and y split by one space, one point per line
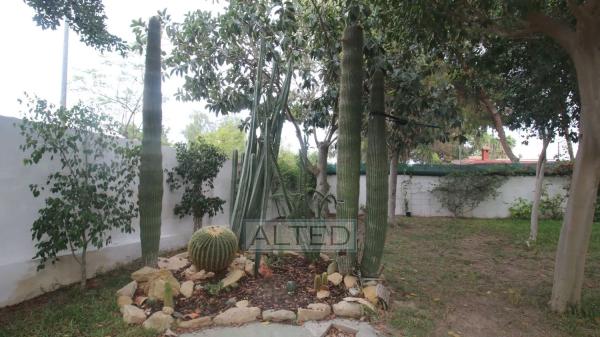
484 158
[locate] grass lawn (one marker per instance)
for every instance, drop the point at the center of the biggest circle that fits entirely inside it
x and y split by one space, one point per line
449 277
70 312
471 277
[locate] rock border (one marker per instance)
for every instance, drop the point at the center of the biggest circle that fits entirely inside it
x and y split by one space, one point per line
152 281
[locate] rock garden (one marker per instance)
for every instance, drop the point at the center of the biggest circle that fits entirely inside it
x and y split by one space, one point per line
214 285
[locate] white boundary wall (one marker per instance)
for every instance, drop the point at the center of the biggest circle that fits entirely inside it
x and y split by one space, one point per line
18 209
422 202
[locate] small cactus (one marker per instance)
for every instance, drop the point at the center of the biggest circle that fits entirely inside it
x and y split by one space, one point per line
324 279
317 283
168 298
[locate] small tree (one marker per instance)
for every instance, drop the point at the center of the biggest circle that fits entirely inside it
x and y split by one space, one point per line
198 164
91 192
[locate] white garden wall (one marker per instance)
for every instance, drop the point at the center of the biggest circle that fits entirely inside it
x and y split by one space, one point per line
422 202
18 209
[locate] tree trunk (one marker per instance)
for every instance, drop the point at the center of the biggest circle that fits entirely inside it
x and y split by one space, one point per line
83 266
197 223
392 186
577 225
150 190
322 184
348 158
377 180
537 197
570 149
498 125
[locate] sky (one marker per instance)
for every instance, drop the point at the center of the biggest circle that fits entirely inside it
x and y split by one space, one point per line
31 62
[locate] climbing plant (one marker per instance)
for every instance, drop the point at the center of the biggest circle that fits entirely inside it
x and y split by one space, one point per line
462 192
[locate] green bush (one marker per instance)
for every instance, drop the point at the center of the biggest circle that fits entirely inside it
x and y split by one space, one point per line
550 207
520 209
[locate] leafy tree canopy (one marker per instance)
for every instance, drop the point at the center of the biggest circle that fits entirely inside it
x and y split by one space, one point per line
85 17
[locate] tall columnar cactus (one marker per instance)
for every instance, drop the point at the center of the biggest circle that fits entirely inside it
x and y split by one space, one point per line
350 103
234 180
377 183
151 174
212 248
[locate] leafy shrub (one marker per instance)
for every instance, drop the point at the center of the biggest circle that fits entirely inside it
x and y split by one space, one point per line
90 194
198 164
520 209
550 207
461 192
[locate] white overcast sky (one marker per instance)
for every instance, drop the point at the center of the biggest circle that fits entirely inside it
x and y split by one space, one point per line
31 61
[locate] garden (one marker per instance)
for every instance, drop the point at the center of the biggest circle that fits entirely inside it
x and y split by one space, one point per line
134 236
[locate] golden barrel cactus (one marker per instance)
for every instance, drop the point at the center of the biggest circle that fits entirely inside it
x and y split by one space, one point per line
212 248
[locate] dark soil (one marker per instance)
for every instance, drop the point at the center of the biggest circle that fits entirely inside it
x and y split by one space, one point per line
266 293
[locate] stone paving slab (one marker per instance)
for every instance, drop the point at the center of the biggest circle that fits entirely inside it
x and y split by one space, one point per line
309 329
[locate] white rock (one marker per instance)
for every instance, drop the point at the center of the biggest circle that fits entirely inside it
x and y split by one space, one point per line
314 312
195 323
132 314
278 315
128 290
321 294
325 257
234 316
172 263
348 309
189 271
156 288
350 281
140 300
201 275
335 278
370 294
242 304
238 263
187 288
232 277
354 291
168 310
249 267
159 321
124 300
144 274
361 301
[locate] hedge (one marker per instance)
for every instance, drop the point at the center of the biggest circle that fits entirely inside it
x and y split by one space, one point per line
513 169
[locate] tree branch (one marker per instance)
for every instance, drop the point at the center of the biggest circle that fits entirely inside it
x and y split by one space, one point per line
307 165
556 29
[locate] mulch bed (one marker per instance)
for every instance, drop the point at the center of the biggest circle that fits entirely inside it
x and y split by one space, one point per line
266 293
